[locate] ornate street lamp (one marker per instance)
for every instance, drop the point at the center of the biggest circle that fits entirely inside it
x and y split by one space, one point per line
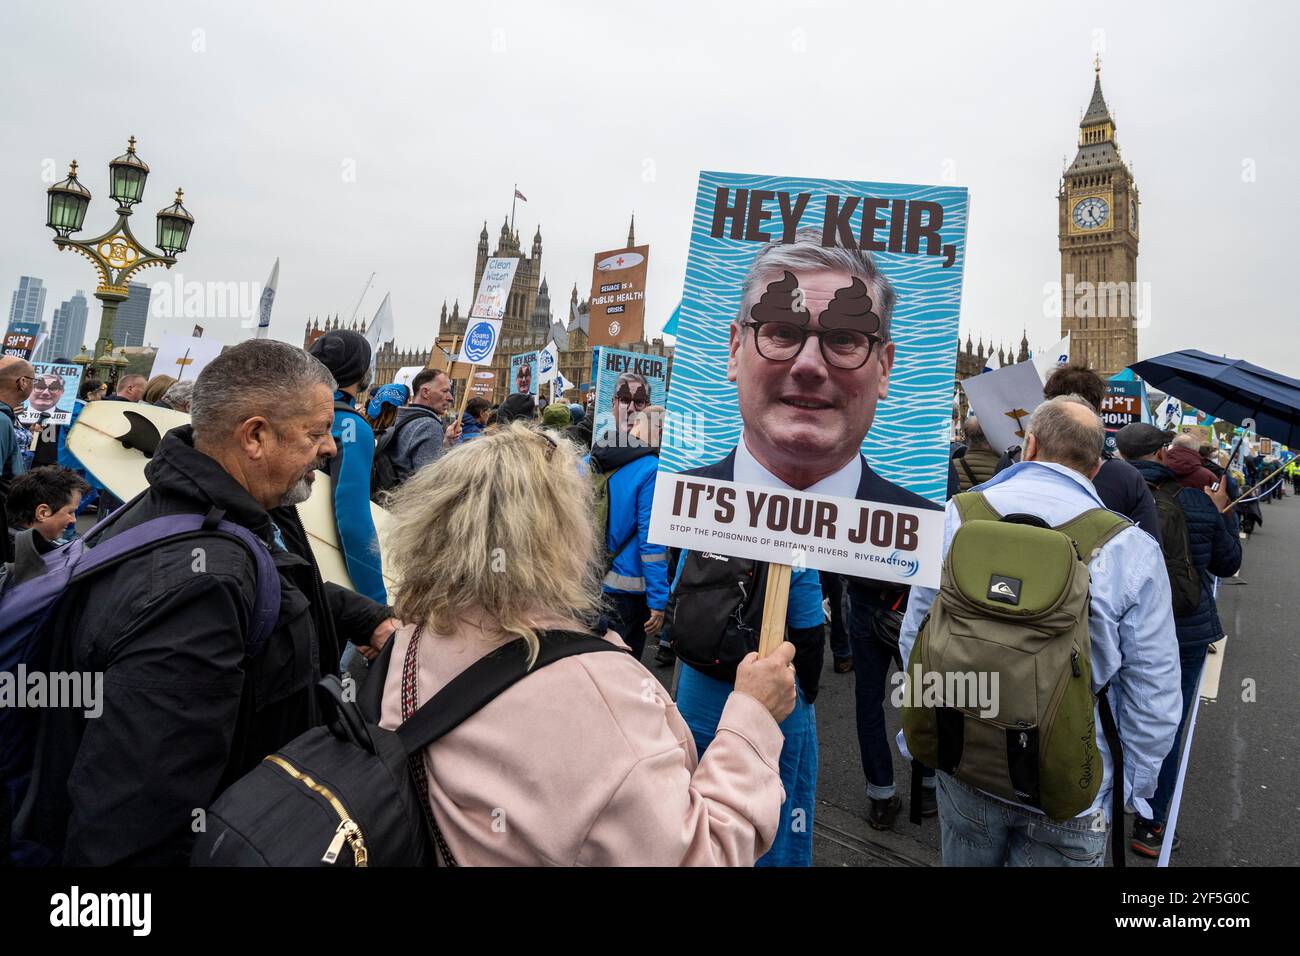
174 225
126 176
116 255
68 201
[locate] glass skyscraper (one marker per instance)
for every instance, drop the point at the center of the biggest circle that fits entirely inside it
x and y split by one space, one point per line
132 315
68 328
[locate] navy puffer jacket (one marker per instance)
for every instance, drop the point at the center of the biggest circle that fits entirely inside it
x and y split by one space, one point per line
1216 550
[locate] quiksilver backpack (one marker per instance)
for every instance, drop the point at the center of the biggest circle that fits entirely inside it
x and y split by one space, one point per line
1013 604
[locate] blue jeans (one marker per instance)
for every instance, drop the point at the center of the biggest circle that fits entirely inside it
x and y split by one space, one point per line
979 830
1192 661
700 700
871 660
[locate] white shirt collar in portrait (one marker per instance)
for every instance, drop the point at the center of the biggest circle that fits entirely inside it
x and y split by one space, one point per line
841 484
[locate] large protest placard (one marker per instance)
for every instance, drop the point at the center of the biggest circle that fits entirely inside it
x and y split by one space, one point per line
484 329
626 383
1003 400
812 380
523 374
1203 432
20 339
183 357
617 303
54 394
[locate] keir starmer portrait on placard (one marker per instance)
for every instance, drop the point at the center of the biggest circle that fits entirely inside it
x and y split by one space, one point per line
834 462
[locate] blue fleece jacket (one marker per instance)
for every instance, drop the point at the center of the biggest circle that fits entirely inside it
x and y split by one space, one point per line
642 567
357 537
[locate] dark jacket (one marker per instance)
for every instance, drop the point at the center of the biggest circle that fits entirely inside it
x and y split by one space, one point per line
1120 488
185 713
1215 550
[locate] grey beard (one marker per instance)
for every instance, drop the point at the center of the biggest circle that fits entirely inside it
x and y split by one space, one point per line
297 494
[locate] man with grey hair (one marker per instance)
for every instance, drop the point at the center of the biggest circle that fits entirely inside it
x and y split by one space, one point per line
1134 653
189 706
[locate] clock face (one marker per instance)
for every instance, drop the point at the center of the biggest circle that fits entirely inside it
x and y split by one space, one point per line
1133 214
1091 213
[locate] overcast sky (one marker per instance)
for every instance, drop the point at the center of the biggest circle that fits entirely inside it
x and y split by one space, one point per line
351 137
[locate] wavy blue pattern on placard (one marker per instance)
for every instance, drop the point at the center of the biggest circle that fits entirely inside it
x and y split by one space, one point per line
908 442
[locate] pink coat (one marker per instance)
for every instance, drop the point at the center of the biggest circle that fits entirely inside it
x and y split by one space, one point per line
588 763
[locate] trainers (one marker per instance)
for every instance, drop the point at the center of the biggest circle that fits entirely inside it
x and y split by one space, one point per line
665 656
1148 838
843 665
883 812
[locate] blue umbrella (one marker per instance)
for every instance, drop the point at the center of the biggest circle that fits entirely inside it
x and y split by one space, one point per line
1231 389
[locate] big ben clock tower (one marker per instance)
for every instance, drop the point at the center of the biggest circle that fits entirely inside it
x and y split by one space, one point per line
1098 230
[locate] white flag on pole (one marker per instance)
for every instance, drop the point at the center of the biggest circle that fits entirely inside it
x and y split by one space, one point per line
1171 413
380 329
559 385
548 363
1056 357
267 300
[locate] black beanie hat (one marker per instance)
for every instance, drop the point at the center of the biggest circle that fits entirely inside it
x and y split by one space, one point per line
520 405
345 353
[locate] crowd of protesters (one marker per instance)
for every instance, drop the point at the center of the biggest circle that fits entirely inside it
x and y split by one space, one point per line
494 536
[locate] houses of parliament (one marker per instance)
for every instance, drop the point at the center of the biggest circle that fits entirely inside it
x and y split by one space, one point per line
528 324
1097 233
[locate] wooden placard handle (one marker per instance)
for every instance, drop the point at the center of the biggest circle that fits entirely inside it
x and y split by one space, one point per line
464 397
776 600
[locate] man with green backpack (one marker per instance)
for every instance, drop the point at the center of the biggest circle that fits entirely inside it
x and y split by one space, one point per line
1060 609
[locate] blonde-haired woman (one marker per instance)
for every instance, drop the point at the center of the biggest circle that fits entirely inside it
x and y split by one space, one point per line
585 761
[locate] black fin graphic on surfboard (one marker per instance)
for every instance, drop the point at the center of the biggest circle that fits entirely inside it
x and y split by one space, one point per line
143 435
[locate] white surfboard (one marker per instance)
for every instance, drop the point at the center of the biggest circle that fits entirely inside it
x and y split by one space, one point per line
114 441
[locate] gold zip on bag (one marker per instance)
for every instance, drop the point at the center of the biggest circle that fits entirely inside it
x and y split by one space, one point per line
348 830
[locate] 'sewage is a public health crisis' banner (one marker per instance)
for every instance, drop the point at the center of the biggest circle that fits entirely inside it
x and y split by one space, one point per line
819 319
617 303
